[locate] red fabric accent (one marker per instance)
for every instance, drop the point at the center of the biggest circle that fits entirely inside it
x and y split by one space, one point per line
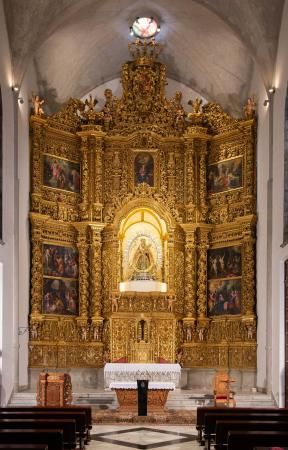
163 360
124 359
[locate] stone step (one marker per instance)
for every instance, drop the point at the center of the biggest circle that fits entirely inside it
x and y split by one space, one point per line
177 400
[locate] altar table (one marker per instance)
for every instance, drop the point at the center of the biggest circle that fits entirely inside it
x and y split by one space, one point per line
122 377
127 395
128 372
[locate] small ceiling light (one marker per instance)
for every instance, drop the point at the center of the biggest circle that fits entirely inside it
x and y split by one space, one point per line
272 90
131 32
21 100
158 29
15 88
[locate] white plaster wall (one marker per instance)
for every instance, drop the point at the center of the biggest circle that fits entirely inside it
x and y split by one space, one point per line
27 87
262 156
279 253
8 251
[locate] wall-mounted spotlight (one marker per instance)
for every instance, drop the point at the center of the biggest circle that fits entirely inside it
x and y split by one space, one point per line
21 100
272 90
131 32
266 102
15 88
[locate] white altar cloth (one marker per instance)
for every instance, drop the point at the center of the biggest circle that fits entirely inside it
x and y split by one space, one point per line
133 385
128 372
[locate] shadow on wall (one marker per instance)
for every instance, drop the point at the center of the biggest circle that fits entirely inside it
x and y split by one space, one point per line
47 92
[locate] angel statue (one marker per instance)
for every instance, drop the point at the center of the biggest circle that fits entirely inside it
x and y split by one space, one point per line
250 108
196 104
91 103
37 105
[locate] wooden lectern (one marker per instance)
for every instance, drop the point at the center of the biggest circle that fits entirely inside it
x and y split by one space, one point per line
54 389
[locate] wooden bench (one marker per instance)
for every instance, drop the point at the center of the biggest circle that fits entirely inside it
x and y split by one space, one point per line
248 440
203 410
82 408
258 415
24 446
52 438
78 416
224 427
68 426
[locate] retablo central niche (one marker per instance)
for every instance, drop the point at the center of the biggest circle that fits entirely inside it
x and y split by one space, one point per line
143 228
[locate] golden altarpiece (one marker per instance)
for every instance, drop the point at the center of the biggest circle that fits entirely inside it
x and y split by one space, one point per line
142 229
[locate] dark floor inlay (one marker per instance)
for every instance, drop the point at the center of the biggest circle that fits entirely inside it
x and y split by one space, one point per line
179 438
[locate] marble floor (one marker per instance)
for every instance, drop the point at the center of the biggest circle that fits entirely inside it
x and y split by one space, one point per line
122 437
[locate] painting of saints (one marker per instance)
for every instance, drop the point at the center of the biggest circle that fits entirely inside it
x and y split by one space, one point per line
60 297
225 175
144 169
61 174
224 297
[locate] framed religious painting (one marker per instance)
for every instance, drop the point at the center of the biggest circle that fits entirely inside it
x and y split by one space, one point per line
224 297
59 173
60 261
60 296
225 175
144 169
224 262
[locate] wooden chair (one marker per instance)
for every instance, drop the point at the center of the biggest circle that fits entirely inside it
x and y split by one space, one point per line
223 396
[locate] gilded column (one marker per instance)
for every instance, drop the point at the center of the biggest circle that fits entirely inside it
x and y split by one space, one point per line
82 246
171 172
202 247
96 281
190 272
96 270
190 181
84 205
37 137
249 272
202 183
98 176
250 183
171 268
37 264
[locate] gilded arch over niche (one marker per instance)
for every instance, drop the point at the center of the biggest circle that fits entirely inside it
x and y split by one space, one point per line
142 240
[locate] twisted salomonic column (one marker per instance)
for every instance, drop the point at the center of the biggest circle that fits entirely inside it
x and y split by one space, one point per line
190 180
202 247
37 264
249 272
84 205
202 187
96 272
190 272
83 270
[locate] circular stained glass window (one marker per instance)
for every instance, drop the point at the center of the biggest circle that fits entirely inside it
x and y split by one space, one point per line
145 27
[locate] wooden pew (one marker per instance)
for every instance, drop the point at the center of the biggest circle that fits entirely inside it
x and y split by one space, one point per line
78 416
52 438
68 426
212 417
248 440
224 426
203 410
24 446
82 408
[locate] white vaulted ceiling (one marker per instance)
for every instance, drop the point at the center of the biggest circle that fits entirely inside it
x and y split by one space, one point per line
212 46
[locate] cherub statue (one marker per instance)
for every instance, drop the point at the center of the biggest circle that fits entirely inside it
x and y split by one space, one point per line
37 105
250 108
